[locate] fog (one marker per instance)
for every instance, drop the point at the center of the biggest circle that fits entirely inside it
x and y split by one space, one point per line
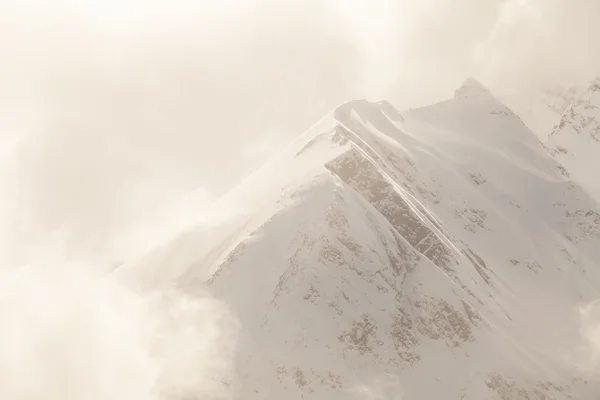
115 110
122 120
71 335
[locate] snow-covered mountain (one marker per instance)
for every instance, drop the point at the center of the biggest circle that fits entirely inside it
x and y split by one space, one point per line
575 141
440 249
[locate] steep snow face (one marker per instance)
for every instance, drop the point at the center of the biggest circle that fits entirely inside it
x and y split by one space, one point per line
439 253
575 141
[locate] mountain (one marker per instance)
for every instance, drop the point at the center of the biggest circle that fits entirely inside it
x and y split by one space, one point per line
438 253
575 141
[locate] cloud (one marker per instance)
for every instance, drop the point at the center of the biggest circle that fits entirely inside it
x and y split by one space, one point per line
115 123
383 387
541 42
69 334
122 107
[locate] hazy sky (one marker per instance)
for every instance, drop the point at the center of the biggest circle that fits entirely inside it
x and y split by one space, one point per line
112 110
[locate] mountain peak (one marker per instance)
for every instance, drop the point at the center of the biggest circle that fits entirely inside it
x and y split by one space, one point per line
471 87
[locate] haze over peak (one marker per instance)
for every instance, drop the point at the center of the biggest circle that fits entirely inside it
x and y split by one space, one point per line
471 87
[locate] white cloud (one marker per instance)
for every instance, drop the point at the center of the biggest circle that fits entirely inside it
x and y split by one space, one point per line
70 335
120 108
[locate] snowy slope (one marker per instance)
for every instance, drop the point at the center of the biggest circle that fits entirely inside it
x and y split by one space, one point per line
575 142
442 250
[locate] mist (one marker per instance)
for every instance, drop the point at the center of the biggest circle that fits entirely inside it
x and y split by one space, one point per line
115 111
123 121
70 334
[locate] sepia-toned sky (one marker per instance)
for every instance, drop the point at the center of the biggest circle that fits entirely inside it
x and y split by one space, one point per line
112 112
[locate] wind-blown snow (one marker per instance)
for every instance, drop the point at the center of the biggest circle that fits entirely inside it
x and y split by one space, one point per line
442 249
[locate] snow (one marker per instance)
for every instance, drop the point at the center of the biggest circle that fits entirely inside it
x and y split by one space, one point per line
575 141
442 249
541 107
